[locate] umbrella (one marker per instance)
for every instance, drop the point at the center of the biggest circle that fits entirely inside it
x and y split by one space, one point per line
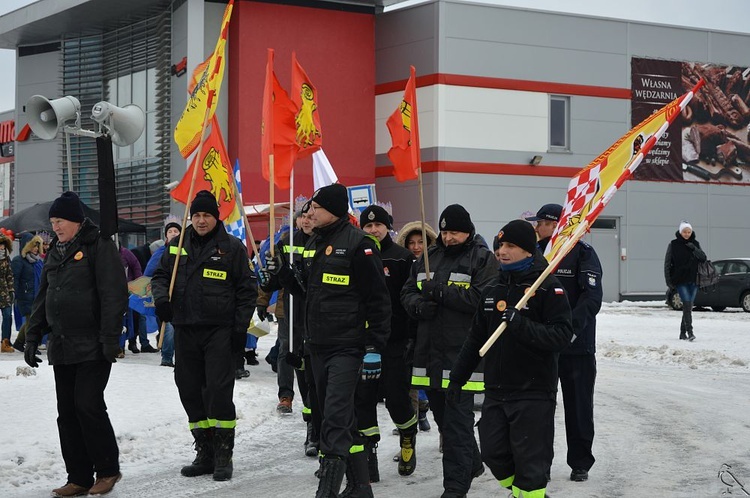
36 219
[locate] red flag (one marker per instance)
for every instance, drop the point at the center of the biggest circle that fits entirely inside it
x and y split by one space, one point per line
215 174
278 129
404 128
309 137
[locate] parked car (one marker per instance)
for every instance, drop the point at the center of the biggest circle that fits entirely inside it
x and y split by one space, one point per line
732 291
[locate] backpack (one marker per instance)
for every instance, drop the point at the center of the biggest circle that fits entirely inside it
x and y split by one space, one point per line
707 277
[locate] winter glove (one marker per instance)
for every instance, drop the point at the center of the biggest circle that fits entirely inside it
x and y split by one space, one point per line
432 290
262 311
110 351
690 246
30 354
164 311
426 310
409 353
239 339
513 318
453 393
273 263
371 365
264 278
295 361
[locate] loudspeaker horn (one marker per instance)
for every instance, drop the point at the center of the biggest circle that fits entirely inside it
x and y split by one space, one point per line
47 116
124 124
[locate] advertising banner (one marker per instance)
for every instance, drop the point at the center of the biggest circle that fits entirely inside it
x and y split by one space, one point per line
710 142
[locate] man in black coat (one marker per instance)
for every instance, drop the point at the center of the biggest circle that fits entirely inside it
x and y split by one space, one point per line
210 308
81 301
580 273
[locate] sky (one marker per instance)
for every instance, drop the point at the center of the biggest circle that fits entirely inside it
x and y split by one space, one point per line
668 415
725 15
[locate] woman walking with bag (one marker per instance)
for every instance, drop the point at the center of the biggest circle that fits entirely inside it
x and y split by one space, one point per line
684 254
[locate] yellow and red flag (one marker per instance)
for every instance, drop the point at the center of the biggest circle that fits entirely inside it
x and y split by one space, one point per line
403 126
278 131
215 174
205 93
593 187
309 137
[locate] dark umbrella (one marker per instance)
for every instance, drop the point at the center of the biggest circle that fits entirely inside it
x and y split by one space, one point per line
36 219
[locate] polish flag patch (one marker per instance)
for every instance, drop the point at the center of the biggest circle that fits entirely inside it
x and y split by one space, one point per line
368 252
559 290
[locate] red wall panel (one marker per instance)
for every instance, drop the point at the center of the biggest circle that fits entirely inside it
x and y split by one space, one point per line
337 50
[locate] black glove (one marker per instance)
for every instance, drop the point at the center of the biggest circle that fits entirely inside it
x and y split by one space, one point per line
273 264
426 310
295 361
372 365
264 278
110 351
164 311
409 353
453 393
512 317
239 339
262 311
432 290
30 354
690 246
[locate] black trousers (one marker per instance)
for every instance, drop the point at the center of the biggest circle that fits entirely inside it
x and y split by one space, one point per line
204 373
336 371
310 395
577 378
517 439
461 457
87 439
394 384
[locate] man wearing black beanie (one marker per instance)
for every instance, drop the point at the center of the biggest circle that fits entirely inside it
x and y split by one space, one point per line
210 308
348 321
444 305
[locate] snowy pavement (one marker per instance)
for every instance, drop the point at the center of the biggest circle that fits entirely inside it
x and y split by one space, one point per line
668 414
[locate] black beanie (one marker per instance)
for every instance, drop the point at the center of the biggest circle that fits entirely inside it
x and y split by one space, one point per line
172 224
333 198
520 233
68 207
204 202
375 213
455 218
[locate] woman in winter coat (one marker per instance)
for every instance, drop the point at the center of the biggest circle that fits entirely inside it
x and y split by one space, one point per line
6 292
411 237
684 253
27 267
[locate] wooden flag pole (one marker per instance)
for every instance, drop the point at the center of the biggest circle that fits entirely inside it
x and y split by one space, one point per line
271 205
248 230
424 229
529 293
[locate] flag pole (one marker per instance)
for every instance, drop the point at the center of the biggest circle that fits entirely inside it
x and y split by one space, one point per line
424 229
290 312
248 231
271 205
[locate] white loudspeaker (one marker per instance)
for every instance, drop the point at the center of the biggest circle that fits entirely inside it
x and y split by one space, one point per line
124 124
46 116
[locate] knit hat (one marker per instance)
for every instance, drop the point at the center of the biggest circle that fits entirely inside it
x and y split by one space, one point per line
684 225
172 224
333 198
375 213
153 246
204 202
68 207
520 233
550 212
455 218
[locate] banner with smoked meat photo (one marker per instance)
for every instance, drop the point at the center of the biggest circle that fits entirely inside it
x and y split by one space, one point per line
710 142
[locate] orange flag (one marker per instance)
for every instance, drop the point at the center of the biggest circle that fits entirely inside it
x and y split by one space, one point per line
204 94
308 137
215 174
277 129
403 126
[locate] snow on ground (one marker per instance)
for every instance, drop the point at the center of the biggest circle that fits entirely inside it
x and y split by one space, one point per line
669 413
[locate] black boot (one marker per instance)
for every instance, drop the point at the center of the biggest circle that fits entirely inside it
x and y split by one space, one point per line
683 335
407 460
371 450
357 477
204 459
424 407
332 471
311 446
223 446
687 319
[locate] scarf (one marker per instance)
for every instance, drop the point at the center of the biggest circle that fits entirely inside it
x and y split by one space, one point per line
522 265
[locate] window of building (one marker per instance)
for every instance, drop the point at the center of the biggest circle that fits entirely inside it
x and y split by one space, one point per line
559 123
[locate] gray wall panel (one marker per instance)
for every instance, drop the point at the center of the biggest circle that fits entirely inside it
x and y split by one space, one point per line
728 49
403 38
662 42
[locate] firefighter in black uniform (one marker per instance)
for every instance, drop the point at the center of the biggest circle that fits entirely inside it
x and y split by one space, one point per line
520 376
395 380
461 268
581 275
211 306
347 323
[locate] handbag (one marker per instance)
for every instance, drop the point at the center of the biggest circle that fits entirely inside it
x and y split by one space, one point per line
707 277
